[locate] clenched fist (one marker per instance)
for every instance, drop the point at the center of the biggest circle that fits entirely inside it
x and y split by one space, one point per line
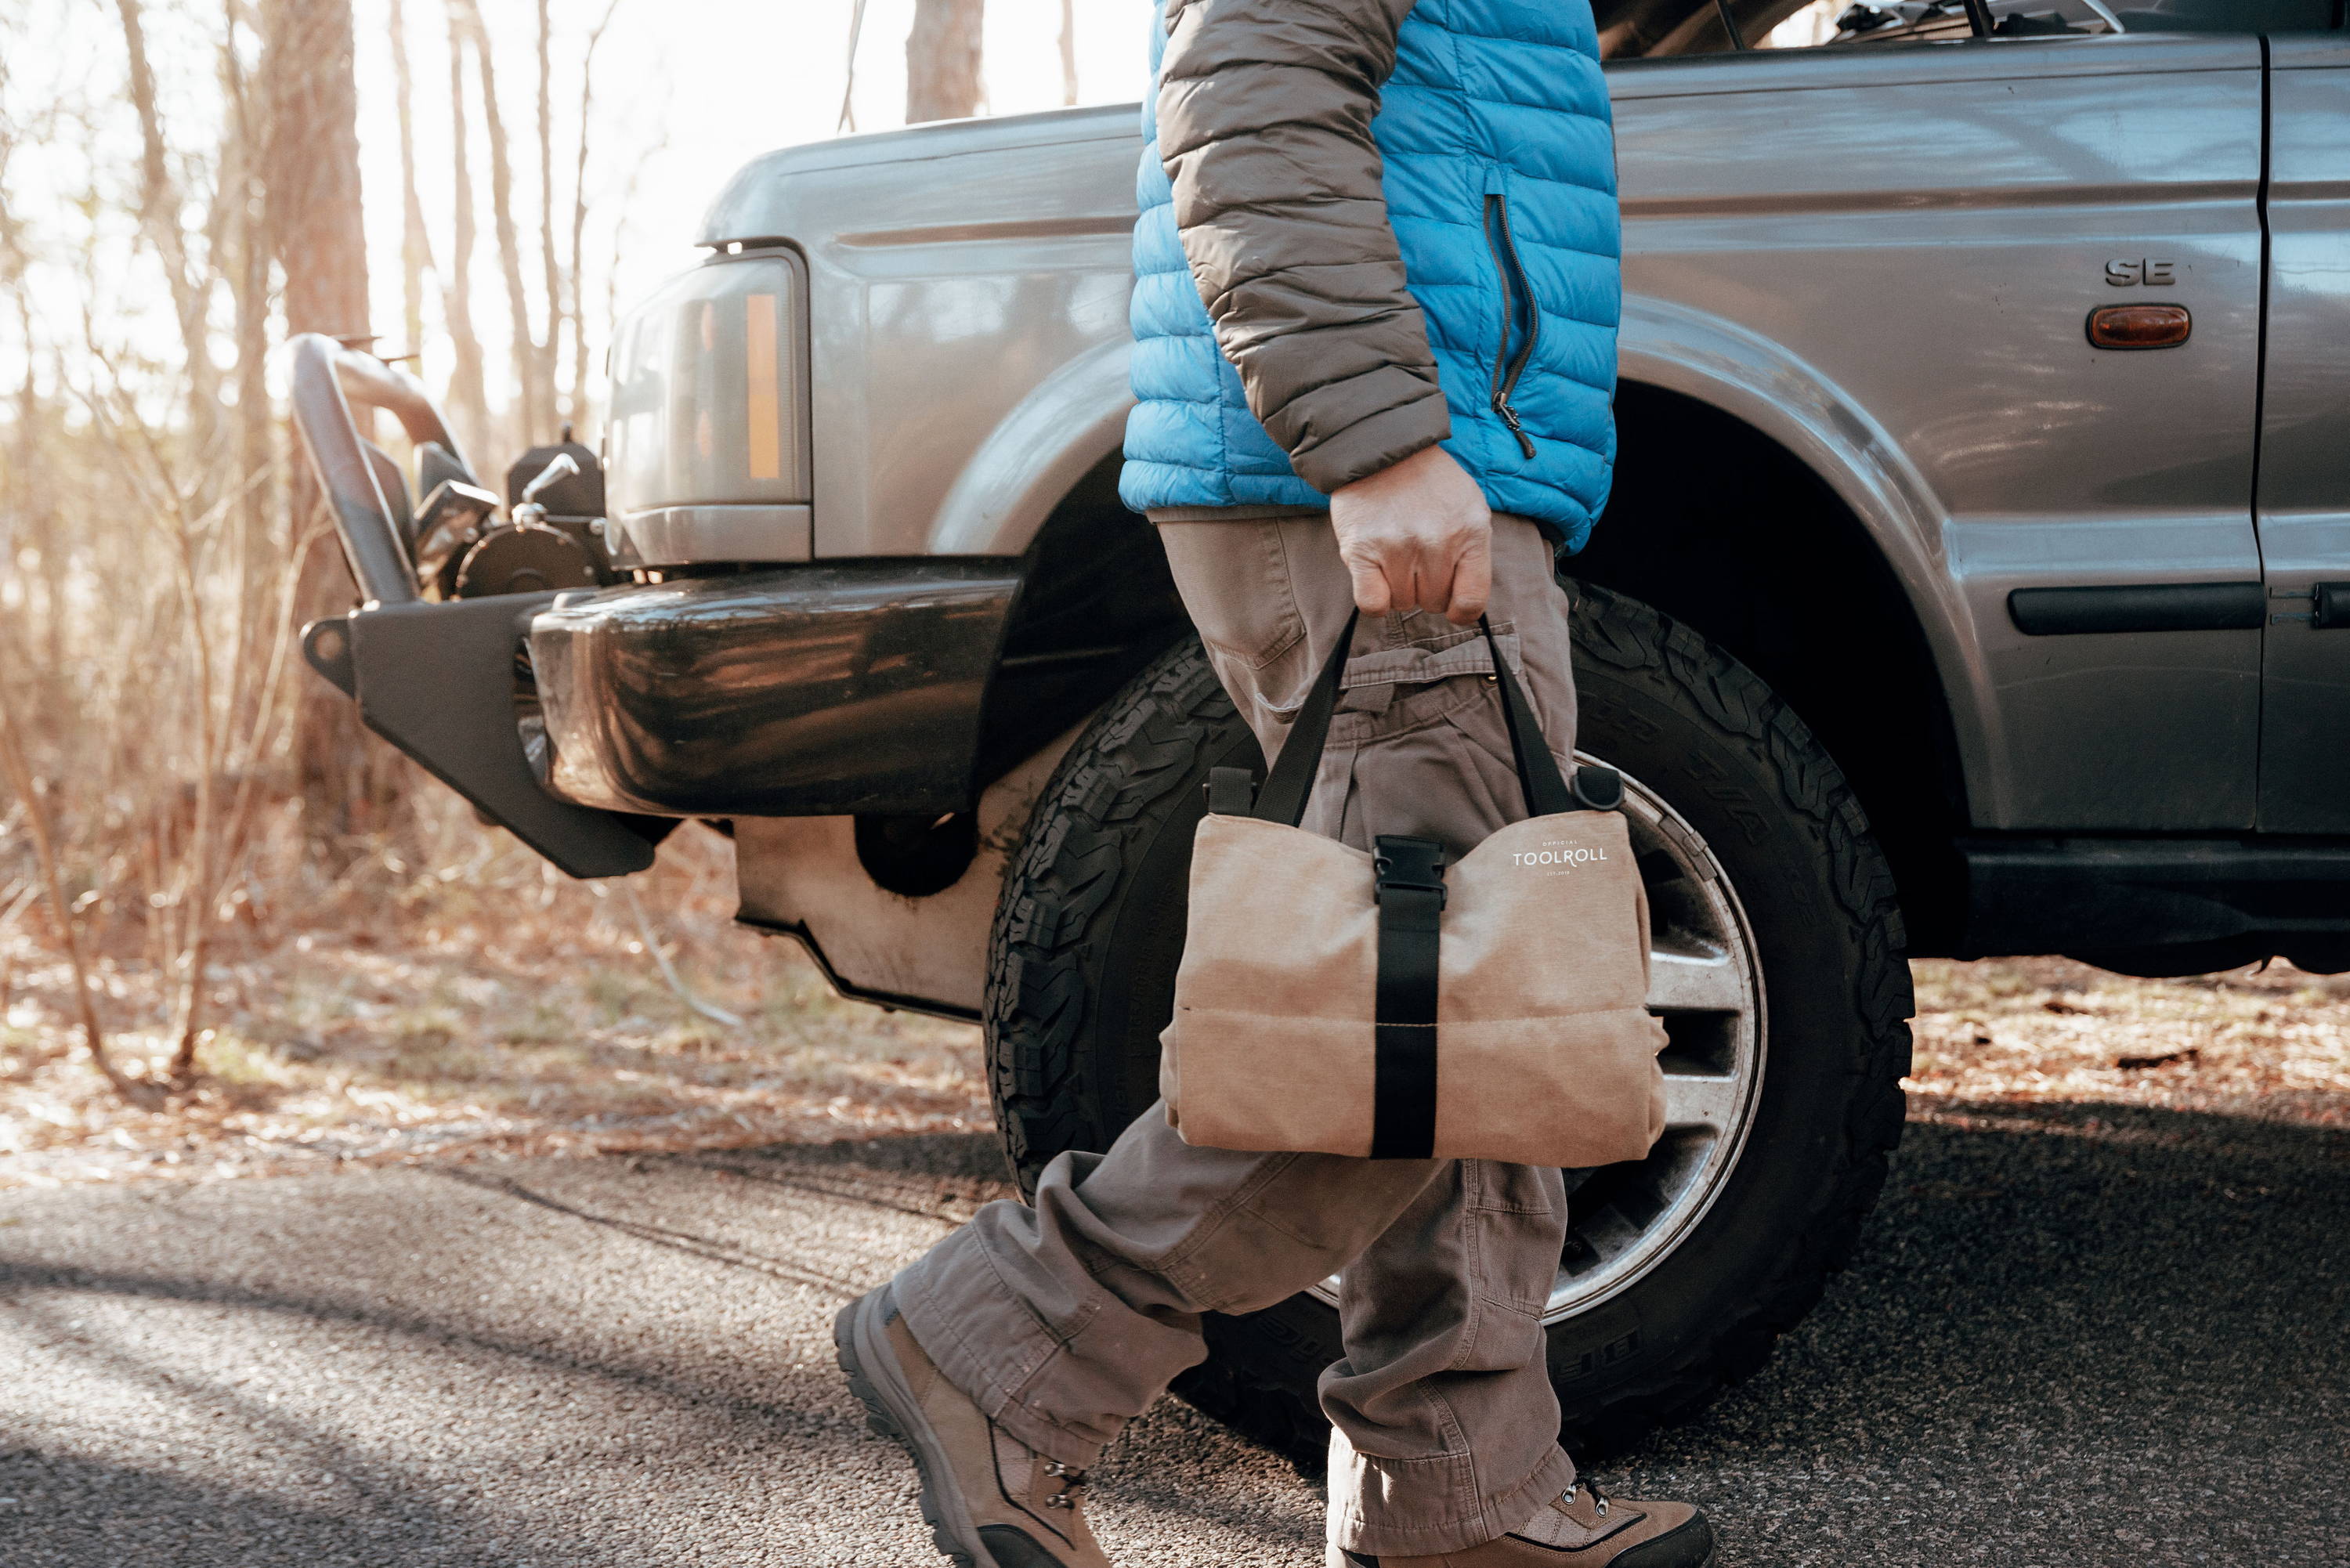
1417 536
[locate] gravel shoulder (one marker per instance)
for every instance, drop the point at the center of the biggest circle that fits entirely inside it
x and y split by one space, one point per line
2078 1333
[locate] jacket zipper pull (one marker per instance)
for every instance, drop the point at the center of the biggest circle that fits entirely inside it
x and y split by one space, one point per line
1510 418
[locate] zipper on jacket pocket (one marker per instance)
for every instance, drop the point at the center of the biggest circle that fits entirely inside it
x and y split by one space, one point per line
1515 292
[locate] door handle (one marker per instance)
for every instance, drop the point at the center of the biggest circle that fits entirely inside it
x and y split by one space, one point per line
2329 607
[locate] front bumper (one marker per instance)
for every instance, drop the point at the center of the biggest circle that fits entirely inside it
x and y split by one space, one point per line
815 690
808 691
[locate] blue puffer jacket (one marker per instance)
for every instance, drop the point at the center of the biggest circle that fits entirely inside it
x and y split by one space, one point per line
1491 142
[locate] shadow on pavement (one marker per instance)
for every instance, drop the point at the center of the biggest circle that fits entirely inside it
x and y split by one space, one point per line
2075 1334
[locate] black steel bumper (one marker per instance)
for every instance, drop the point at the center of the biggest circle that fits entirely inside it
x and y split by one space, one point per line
587 722
438 680
805 692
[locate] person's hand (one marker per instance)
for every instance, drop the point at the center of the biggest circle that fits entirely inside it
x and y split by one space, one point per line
1417 536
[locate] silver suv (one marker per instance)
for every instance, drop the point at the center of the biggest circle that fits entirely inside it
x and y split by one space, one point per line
1970 586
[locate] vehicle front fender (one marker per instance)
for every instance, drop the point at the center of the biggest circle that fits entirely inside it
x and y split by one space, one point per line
1035 455
1762 383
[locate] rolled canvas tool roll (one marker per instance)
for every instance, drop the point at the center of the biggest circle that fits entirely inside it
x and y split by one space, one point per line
1392 1006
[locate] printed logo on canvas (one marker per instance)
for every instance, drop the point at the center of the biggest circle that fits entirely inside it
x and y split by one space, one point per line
1560 855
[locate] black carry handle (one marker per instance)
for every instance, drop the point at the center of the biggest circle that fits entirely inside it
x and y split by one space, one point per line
1283 799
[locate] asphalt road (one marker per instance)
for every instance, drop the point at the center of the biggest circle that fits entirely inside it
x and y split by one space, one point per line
2078 1337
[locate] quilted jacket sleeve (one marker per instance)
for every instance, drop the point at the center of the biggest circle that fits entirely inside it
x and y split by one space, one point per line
1264 126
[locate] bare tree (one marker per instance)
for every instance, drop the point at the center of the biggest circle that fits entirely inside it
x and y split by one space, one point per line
415 241
32 795
246 234
550 263
469 398
313 164
348 780
942 60
580 217
158 215
847 120
528 363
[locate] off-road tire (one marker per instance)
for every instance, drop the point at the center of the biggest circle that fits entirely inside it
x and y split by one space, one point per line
1082 975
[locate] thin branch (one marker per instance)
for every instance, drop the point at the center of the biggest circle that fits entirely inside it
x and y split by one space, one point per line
32 797
578 283
847 120
712 1011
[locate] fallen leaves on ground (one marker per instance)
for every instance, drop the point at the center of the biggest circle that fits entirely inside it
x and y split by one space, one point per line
518 1015
2267 1042
514 1013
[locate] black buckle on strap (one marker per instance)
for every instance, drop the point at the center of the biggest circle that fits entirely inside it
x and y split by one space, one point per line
1409 865
1232 792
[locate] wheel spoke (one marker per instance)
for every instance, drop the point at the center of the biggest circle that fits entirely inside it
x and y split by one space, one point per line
1701 1100
1686 982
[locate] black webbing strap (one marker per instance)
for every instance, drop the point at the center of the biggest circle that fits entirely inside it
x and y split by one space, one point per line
1538 774
1411 913
1232 792
1283 798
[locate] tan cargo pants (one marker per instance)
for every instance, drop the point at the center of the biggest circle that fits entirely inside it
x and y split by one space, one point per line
1065 1319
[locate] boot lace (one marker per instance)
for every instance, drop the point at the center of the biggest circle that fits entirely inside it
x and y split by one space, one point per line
1598 1499
1073 1483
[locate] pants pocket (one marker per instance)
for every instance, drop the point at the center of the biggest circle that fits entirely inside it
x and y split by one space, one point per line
1433 780
1236 583
1520 1215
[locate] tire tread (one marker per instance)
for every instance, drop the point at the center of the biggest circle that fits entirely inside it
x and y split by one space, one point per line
1145 748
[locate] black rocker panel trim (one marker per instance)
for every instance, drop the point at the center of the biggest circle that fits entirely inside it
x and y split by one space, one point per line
2137 606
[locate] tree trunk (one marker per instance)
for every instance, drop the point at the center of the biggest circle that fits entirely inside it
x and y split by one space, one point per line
348 780
415 241
549 258
942 60
313 166
1069 53
469 398
531 415
246 236
574 268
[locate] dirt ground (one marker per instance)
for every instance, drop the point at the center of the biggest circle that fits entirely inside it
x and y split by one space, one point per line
521 1014
480 1009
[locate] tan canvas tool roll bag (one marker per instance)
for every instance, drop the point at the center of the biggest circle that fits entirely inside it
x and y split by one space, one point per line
1391 1006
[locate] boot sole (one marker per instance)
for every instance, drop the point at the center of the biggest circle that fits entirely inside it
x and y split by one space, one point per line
1333 1557
892 1412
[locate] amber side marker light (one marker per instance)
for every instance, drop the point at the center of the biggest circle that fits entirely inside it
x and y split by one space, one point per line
763 405
2139 326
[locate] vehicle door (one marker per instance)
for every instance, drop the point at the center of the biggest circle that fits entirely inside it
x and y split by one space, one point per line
1925 228
2305 484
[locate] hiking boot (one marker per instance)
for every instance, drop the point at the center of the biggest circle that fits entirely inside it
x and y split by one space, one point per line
991 1501
1579 1529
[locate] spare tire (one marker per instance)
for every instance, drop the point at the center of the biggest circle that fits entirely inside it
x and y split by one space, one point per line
1779 977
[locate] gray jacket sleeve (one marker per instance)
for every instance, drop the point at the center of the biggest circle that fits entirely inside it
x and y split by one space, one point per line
1264 126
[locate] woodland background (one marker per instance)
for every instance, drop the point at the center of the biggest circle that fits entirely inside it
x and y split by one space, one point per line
239 935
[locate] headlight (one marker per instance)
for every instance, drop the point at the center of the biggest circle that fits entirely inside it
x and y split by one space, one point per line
708 457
